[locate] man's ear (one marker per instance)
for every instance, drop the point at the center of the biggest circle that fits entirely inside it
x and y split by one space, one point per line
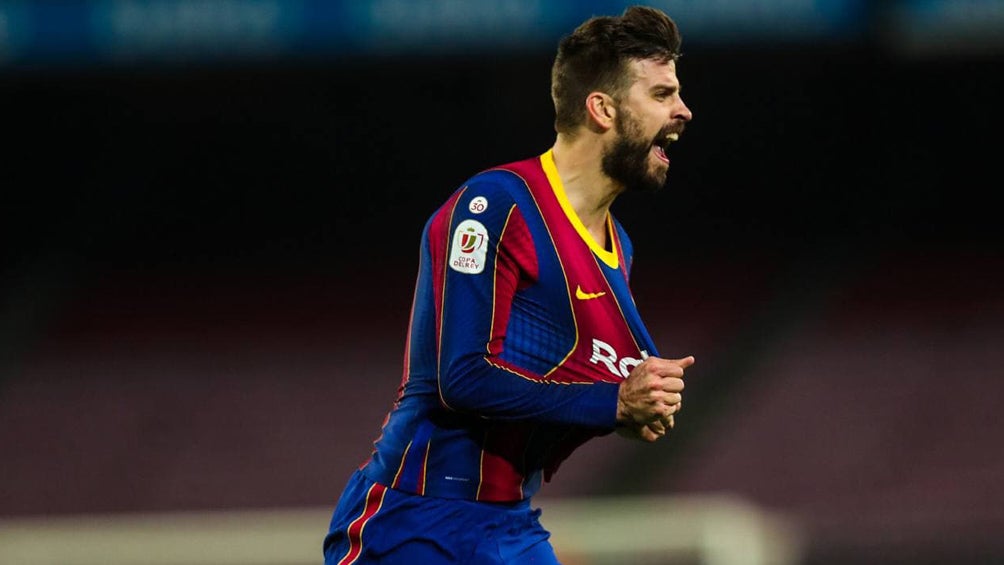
601 110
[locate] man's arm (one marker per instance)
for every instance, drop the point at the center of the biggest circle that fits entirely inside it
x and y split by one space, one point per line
484 257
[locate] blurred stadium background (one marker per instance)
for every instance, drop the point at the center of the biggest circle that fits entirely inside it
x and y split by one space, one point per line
210 223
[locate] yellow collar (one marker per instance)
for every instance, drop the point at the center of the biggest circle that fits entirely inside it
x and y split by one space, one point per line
608 257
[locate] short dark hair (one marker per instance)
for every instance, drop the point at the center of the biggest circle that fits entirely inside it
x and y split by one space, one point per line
596 55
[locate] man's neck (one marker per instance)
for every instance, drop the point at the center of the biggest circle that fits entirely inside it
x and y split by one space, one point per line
589 190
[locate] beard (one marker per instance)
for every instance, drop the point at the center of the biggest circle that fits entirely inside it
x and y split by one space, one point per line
627 162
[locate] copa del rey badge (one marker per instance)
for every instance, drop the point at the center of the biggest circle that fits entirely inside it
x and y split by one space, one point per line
469 248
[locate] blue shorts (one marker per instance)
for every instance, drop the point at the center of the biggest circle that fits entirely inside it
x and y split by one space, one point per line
376 524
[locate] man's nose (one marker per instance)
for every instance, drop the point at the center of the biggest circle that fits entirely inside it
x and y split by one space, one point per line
683 112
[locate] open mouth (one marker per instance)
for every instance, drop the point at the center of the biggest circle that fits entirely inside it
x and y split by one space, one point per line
662 144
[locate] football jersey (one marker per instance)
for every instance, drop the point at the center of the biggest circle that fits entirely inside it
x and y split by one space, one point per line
521 329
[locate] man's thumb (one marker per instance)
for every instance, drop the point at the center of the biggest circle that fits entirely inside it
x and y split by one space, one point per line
684 362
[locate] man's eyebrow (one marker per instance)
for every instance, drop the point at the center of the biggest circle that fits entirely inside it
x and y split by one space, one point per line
665 87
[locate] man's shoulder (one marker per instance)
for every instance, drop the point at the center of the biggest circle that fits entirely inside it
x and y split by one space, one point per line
490 193
518 176
520 170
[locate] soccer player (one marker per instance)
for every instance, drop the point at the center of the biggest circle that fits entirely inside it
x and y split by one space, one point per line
524 340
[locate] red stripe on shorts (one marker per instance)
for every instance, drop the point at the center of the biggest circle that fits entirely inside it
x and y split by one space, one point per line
374 500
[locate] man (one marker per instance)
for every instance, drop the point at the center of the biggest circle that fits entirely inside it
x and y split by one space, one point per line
524 341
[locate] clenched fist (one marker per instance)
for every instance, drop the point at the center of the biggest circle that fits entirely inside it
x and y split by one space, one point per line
649 397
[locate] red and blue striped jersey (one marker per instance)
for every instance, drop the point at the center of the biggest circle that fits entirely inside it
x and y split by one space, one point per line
522 328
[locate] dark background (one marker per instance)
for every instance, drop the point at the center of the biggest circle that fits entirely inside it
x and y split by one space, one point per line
281 163
207 270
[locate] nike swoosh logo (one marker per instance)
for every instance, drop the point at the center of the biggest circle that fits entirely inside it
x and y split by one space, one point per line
587 295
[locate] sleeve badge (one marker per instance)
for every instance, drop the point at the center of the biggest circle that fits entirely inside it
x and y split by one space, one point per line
469 248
